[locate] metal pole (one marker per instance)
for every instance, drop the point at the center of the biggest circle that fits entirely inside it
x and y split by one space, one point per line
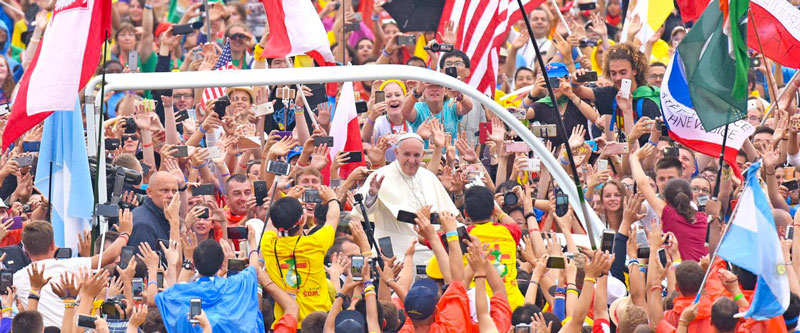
560 124
721 161
780 96
563 21
283 76
208 21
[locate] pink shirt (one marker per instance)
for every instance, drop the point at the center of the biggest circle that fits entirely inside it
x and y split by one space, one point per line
691 236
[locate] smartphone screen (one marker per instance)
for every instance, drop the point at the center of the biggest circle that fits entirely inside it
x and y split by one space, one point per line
64 253
236 266
607 242
354 157
385 244
237 232
556 262
356 264
125 256
195 307
86 321
137 285
203 189
790 232
406 216
160 280
6 281
278 168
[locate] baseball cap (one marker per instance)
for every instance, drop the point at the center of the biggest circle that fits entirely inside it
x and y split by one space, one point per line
296 151
2 204
421 299
556 69
350 321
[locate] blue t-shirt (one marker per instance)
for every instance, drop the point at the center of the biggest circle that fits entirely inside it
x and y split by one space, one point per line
448 117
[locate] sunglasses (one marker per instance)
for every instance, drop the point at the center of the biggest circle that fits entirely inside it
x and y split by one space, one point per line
238 36
130 137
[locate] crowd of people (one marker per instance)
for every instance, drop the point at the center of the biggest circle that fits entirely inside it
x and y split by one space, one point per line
234 217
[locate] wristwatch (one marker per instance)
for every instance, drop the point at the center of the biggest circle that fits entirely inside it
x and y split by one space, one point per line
416 94
188 265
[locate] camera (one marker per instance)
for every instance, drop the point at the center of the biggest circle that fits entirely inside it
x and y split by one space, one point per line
436 47
510 199
26 208
110 310
129 177
586 42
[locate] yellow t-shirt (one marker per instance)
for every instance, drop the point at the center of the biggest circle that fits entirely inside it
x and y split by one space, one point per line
502 240
304 278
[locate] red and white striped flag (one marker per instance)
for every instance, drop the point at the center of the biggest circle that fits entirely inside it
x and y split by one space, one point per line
483 27
66 59
345 130
223 63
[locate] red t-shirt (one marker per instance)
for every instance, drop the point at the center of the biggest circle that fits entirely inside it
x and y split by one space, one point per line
691 236
287 324
452 312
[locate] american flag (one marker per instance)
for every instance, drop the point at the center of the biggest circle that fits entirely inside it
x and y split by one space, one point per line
223 63
483 26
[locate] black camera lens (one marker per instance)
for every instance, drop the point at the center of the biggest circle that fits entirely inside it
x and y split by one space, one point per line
510 199
26 208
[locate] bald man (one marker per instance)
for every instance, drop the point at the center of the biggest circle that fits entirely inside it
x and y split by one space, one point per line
149 222
782 220
404 185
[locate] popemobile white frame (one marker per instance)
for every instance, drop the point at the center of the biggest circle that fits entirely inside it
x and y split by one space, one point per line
262 77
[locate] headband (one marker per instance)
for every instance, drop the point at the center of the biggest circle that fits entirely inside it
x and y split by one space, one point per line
400 83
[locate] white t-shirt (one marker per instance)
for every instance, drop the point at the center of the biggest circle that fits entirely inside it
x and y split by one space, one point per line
50 305
382 128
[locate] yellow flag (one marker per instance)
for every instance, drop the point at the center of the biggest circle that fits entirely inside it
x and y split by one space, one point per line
419 51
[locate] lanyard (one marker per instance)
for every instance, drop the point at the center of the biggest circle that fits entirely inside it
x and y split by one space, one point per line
614 113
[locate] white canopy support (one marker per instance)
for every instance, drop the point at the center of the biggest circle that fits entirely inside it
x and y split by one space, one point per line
307 75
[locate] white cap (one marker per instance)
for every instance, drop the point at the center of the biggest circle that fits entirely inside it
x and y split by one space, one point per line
410 136
2 204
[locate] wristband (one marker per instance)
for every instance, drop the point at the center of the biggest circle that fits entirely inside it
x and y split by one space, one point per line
152 282
452 239
451 233
251 253
67 305
69 300
225 175
656 287
573 291
500 217
479 277
147 145
337 201
33 292
370 122
201 166
148 6
631 261
385 54
738 297
652 143
565 321
203 130
592 280
33 296
375 17
367 254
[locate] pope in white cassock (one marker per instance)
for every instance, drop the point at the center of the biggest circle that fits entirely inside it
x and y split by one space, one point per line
403 185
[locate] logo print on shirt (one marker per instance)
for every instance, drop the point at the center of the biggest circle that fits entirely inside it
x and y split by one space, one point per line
495 256
292 277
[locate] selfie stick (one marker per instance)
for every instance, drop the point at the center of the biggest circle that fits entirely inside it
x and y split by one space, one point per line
305 102
208 22
563 21
359 198
560 124
266 217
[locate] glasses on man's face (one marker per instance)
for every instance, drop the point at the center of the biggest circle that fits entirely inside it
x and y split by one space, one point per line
238 36
657 76
698 189
454 64
754 118
133 137
182 96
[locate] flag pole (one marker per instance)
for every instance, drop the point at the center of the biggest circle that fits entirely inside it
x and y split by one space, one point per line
771 84
208 21
716 249
715 194
563 21
560 124
50 193
780 96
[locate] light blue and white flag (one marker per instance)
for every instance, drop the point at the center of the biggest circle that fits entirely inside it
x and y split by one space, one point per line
752 243
63 143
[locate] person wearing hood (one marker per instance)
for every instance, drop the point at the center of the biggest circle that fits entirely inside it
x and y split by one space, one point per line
10 52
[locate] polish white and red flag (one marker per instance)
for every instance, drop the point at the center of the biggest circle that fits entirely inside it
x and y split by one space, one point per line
66 59
483 27
295 29
345 130
775 24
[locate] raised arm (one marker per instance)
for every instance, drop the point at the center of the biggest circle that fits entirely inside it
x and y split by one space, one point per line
642 180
